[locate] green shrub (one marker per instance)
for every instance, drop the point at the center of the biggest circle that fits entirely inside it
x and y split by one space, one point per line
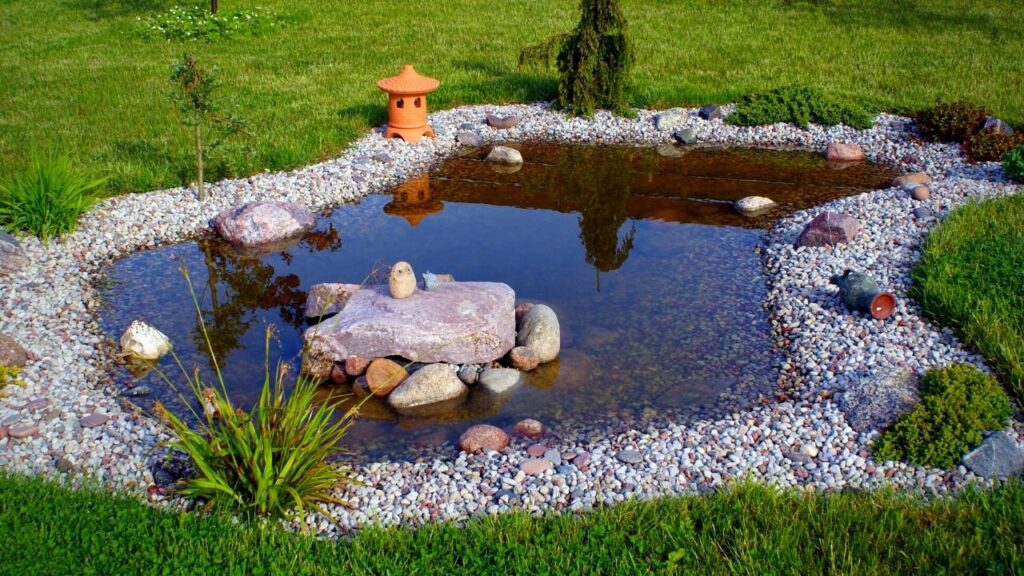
991 145
958 404
10 375
594 60
799 105
271 461
951 121
47 198
197 23
1013 164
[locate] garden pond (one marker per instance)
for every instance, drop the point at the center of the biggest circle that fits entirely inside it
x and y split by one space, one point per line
655 278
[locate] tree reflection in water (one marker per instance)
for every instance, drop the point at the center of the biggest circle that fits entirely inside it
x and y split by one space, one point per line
240 283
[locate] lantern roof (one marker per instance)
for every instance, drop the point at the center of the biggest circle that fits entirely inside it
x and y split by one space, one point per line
408 82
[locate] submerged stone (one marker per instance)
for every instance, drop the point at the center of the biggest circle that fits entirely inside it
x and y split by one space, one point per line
457 323
432 384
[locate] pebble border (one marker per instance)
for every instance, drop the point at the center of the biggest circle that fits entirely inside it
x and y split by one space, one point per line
802 439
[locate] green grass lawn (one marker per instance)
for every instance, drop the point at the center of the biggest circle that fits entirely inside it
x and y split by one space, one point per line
76 77
747 530
971 278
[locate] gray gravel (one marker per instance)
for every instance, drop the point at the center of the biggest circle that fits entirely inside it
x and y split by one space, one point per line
799 439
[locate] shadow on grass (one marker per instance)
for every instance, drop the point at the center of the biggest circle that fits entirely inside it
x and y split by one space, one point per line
105 9
904 14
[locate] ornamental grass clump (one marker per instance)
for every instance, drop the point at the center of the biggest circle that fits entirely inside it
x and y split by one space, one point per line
958 404
47 198
274 460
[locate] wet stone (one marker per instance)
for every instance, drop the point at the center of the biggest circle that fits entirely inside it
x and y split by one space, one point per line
553 456
535 466
22 431
630 456
137 391
537 450
93 420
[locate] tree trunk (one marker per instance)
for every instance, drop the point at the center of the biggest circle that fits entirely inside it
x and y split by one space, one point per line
213 6
200 186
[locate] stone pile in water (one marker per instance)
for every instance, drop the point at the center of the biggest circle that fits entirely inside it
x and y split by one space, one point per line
423 346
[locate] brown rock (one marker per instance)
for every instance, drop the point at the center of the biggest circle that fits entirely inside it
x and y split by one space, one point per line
356 365
529 427
11 353
384 375
535 466
338 375
361 388
12 257
829 229
521 309
93 420
844 153
913 178
582 460
23 431
37 404
537 450
920 193
482 438
523 358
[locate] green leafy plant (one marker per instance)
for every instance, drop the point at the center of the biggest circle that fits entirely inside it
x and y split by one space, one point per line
1013 164
193 95
274 460
10 375
991 145
594 59
181 23
951 121
47 198
799 105
958 404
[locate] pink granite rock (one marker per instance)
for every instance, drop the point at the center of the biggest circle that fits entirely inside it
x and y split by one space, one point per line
829 229
457 323
260 223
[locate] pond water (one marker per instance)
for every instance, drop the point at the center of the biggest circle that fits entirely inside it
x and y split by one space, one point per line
655 278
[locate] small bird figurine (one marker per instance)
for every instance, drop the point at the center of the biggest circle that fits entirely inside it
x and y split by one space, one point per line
402 280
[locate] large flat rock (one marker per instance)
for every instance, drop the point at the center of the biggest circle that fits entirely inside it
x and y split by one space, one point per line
456 322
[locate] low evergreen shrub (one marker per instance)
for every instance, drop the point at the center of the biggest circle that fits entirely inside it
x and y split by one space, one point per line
958 404
47 198
799 105
1013 164
951 121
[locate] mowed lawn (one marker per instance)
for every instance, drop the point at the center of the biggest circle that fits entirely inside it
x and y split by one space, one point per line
76 76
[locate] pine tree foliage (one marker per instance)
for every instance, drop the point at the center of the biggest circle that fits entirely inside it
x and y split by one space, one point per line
594 60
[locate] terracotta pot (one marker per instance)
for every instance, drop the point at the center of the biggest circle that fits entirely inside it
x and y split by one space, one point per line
858 291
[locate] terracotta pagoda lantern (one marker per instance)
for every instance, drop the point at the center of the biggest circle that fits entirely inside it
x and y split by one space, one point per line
407 104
